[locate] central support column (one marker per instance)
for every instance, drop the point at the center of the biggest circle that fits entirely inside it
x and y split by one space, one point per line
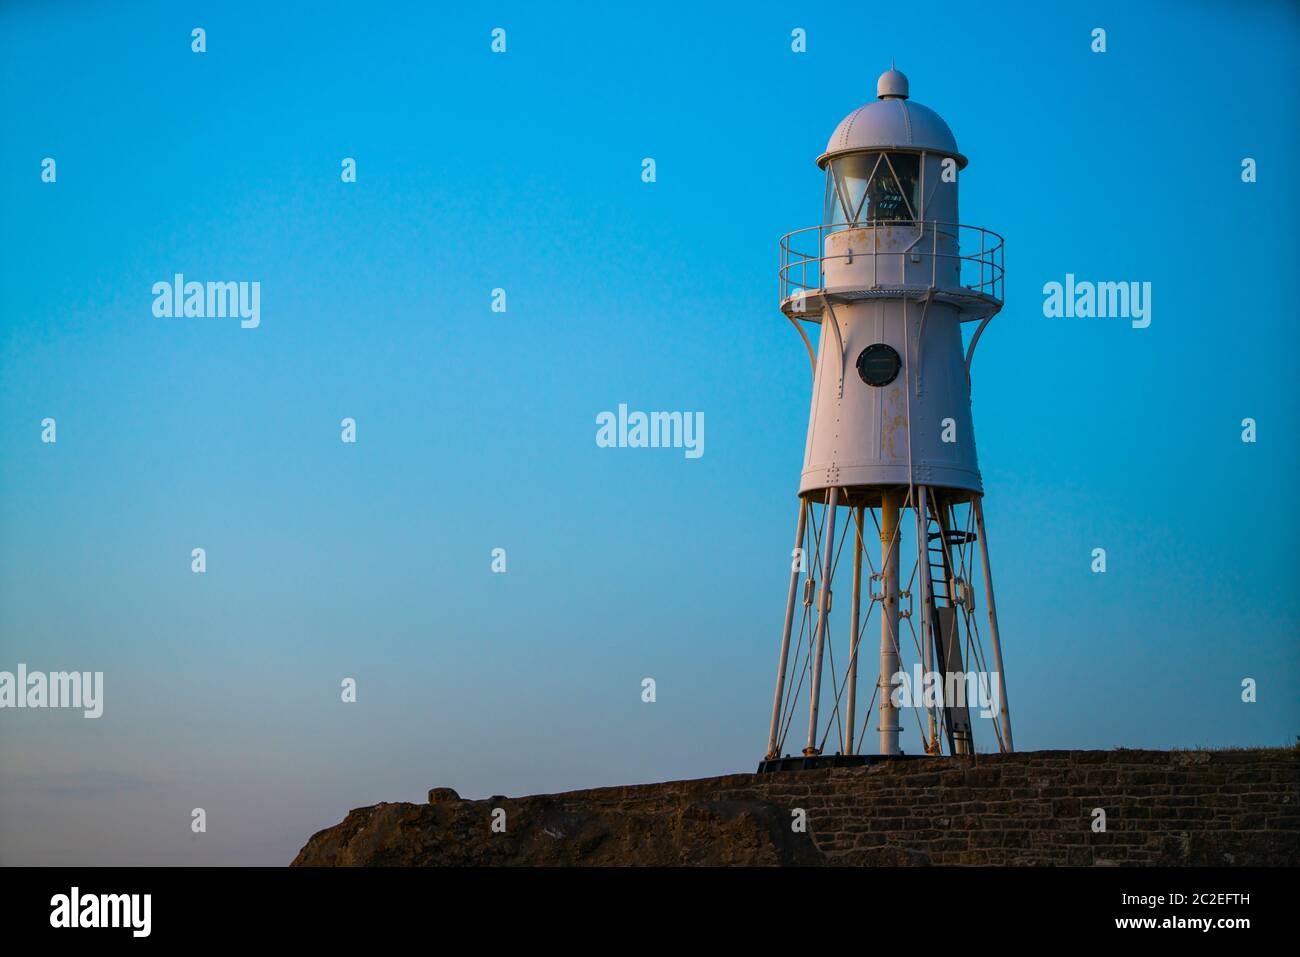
889 563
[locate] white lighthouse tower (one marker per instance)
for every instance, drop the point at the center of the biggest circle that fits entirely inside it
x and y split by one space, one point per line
893 281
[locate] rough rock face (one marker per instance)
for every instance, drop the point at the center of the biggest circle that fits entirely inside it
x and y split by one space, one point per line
564 830
1179 807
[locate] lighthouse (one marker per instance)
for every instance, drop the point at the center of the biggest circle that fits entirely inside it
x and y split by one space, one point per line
890 630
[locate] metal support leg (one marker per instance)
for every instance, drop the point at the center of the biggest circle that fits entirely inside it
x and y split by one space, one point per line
798 561
889 561
852 680
978 504
823 611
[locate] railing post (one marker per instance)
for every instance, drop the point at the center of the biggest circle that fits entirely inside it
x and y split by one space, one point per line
821 257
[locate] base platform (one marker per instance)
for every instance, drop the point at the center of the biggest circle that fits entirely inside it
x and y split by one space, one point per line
803 762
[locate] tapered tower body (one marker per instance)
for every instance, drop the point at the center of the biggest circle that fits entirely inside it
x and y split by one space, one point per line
900 293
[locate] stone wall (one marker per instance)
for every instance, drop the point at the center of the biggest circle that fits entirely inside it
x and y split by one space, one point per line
1161 807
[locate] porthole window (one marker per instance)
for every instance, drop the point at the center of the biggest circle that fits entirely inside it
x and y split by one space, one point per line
879 365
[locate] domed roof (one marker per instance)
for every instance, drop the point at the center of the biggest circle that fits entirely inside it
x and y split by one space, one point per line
892 121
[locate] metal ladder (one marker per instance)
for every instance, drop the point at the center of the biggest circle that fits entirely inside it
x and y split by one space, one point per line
943 618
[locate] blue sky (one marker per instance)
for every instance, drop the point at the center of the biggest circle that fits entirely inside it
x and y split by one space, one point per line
476 429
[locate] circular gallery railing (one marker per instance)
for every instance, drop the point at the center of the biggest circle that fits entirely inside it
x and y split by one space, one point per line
890 257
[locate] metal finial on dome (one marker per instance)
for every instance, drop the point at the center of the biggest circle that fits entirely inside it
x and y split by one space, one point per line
892 85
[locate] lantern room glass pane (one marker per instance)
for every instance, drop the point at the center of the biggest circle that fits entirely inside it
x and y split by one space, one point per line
873 187
895 188
851 175
833 212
